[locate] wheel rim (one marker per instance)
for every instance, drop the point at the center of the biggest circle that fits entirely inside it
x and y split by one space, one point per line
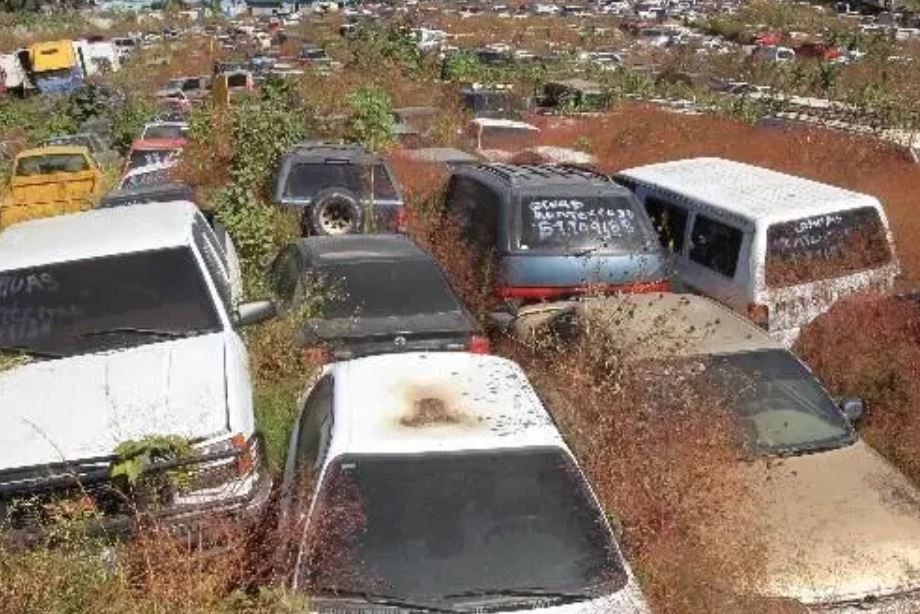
336 219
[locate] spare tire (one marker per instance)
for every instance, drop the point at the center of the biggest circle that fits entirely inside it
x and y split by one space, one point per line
336 211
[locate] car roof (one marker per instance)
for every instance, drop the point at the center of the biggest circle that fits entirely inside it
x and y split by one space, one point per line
331 152
96 233
663 325
55 150
435 402
360 248
541 175
750 192
494 122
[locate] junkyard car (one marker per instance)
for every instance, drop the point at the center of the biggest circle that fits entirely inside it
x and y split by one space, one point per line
442 485
335 186
778 248
839 525
554 231
117 326
379 294
49 181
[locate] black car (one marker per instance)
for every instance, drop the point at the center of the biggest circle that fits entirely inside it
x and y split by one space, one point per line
375 294
335 186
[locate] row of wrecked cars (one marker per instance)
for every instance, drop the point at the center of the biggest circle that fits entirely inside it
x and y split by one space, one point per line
424 474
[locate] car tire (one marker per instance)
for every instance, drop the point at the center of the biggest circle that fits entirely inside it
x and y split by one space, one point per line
334 212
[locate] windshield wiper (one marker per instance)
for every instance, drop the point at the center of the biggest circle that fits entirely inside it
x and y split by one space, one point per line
387 600
31 352
152 332
560 596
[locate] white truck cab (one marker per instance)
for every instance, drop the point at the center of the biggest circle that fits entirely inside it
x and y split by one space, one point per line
777 248
438 482
118 325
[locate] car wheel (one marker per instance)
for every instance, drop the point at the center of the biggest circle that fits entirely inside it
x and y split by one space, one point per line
336 212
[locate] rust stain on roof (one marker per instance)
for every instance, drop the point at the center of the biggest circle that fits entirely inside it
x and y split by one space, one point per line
432 405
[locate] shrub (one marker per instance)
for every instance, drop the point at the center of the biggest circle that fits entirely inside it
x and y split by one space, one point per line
370 122
869 347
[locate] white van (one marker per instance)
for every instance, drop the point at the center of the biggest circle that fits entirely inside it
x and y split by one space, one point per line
778 248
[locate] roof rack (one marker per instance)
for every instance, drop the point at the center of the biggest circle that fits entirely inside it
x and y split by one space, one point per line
534 172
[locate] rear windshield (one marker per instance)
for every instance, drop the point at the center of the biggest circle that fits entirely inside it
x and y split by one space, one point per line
165 131
147 157
593 222
825 246
380 289
305 180
237 80
52 163
506 138
141 180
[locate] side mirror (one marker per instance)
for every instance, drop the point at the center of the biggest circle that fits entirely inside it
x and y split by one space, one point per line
255 312
852 409
502 321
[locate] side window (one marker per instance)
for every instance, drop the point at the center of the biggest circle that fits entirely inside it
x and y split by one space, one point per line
670 222
715 245
315 427
285 274
485 216
461 201
213 260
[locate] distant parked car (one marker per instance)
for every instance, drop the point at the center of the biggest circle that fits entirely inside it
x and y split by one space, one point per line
379 294
555 231
174 100
336 186
439 483
50 181
774 53
778 248
499 139
121 325
145 152
831 531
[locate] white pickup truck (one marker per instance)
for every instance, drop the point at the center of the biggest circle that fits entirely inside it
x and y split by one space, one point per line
120 325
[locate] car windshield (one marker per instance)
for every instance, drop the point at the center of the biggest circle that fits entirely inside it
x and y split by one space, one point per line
165 131
381 289
609 223
781 405
52 163
428 527
147 157
825 246
84 306
306 179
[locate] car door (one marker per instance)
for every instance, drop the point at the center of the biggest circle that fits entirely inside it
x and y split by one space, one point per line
715 259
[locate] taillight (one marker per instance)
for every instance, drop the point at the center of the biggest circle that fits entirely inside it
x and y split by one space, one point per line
402 220
759 314
244 460
479 345
550 292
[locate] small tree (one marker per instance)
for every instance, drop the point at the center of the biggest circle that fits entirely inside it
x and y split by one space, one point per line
371 120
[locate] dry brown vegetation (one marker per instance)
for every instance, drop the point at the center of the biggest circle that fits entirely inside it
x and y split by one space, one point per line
869 347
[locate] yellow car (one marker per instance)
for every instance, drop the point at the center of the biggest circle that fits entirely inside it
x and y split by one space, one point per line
50 181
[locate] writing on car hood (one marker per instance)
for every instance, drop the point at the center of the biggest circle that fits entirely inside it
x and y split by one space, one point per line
84 406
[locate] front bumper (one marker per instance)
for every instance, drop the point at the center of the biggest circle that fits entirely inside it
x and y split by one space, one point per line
202 519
